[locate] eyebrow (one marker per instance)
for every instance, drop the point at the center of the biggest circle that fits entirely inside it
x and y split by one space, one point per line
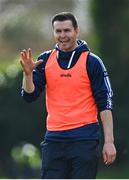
66 29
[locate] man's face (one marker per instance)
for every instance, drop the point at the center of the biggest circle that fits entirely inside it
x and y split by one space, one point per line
65 35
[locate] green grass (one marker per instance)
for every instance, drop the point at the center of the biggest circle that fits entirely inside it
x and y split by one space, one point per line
113 173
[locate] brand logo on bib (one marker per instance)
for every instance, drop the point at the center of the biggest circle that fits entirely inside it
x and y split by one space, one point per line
66 75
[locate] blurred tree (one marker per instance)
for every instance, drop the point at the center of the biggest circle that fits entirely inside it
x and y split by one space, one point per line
23 24
27 24
21 33
26 161
111 25
19 122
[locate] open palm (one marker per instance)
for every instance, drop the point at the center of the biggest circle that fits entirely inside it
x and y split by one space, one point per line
27 62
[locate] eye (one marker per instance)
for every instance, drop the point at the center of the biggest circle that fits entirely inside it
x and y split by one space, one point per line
67 30
58 31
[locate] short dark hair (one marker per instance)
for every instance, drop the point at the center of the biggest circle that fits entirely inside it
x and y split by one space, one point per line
63 16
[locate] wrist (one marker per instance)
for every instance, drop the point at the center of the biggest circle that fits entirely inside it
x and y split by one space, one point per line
28 84
27 75
107 141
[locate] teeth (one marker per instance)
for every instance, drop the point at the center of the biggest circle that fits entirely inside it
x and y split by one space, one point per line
63 41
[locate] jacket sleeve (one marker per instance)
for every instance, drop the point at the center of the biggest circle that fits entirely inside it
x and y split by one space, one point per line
39 79
100 83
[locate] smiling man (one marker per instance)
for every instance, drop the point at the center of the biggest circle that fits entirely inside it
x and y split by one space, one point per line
65 34
77 90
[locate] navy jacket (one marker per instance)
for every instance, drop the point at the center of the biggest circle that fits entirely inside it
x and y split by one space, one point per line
100 84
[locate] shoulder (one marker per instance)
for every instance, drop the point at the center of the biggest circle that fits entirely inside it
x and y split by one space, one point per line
44 55
93 58
95 61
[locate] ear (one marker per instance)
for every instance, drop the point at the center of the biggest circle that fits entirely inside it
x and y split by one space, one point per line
77 31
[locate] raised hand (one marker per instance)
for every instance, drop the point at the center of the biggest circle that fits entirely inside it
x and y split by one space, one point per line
27 63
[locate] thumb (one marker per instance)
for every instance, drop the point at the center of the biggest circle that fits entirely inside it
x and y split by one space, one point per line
104 157
38 62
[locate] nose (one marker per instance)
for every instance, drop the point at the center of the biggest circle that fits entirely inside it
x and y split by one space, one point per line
62 34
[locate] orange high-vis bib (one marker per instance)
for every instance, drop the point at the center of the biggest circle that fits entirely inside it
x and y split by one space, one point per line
69 100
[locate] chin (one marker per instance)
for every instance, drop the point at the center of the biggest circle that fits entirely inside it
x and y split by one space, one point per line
66 49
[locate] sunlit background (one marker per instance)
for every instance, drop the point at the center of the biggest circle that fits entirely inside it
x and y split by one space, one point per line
27 23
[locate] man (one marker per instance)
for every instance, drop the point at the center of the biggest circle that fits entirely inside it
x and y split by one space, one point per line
77 89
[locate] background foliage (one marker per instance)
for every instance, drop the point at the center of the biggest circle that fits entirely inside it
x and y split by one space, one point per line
110 19
24 24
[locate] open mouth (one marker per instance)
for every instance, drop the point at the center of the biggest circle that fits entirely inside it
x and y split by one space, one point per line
64 42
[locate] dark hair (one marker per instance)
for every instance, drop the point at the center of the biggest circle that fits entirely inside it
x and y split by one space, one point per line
63 16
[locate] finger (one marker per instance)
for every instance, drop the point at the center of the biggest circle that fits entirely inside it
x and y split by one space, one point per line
22 64
22 55
29 54
110 159
104 157
38 62
25 54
